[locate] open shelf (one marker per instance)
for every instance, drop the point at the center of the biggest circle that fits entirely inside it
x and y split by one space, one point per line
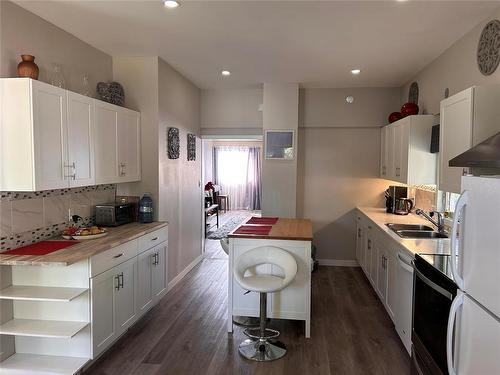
31 364
41 328
40 293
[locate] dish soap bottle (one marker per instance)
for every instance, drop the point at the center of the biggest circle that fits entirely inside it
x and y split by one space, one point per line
146 209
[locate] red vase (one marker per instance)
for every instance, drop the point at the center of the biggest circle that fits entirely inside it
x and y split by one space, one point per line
27 67
409 109
395 116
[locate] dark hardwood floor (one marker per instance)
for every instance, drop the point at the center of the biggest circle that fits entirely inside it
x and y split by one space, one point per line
186 333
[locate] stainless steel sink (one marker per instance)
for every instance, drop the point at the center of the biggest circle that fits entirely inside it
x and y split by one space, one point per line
420 234
420 227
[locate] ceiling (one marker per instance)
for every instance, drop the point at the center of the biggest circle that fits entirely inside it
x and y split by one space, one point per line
314 43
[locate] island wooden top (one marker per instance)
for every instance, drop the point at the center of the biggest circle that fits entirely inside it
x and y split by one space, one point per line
284 229
84 249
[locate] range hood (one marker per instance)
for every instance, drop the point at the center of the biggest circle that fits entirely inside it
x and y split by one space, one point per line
484 155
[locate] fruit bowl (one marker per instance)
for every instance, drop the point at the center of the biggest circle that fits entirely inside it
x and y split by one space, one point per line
86 233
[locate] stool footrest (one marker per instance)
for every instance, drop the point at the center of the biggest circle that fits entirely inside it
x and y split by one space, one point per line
269 333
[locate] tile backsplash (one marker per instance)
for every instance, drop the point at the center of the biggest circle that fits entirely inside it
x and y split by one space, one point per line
28 217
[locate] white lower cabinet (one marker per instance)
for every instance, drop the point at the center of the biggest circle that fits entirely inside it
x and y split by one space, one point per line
113 304
151 277
123 293
389 270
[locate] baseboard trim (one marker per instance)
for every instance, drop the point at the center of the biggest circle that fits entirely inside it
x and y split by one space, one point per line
338 263
183 273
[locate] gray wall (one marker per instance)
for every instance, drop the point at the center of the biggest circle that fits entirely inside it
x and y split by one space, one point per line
456 69
338 165
23 32
231 111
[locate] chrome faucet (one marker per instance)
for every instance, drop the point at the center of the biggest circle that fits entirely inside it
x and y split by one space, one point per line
440 218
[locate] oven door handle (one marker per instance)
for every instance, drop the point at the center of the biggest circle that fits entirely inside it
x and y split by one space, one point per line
434 286
417 365
457 302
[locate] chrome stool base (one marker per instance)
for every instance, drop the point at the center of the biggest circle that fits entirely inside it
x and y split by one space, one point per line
261 350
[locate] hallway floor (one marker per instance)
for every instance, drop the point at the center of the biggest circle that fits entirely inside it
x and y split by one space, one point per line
186 333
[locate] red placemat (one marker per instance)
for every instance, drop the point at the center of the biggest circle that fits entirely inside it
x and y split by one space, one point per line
262 220
41 248
262 230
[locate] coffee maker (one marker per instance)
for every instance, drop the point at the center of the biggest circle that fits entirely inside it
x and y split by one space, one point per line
393 196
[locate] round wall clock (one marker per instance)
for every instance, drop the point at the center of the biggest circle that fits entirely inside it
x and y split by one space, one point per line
488 49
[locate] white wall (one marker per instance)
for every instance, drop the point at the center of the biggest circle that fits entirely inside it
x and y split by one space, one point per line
279 177
180 179
456 69
166 99
328 108
231 111
338 170
23 32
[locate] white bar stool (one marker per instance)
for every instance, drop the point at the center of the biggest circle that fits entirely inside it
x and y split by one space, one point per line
258 347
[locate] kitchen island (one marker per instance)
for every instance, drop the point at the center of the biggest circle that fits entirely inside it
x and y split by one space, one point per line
293 302
61 310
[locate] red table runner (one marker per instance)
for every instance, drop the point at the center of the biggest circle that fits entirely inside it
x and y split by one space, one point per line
261 230
41 248
262 220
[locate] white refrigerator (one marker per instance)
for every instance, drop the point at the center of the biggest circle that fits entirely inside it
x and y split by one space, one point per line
473 343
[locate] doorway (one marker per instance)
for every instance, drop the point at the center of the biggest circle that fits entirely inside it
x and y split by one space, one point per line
231 172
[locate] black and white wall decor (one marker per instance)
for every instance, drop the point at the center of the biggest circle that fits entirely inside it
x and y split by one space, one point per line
173 143
191 147
488 49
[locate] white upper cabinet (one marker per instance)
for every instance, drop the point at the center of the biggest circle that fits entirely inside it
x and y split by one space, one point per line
467 118
52 138
405 151
80 140
129 138
117 140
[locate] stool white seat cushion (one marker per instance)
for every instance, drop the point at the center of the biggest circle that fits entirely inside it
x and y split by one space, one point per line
265 283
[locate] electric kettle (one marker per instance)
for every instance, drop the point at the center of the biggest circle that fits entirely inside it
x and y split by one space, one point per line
403 206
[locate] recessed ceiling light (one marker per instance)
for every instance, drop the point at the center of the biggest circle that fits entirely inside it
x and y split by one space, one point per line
171 4
355 71
225 73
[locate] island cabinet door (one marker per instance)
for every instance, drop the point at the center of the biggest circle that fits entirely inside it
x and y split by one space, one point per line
103 288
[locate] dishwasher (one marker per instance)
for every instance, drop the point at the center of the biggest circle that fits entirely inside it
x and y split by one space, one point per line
404 300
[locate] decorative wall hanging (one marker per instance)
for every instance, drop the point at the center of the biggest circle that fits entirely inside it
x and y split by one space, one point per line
173 143
191 147
413 93
27 67
111 92
279 144
488 49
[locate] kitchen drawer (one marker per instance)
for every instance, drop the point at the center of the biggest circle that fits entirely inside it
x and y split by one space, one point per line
112 257
152 239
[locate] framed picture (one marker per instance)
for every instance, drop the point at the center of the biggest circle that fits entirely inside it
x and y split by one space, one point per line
191 147
279 144
173 145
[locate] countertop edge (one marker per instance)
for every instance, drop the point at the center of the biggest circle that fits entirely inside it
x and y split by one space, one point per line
59 263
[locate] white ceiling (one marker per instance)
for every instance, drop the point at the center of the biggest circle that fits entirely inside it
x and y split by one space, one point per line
315 43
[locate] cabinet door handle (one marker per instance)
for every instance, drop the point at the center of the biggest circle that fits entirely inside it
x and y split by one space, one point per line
121 280
369 244
359 232
73 167
154 239
118 255
117 285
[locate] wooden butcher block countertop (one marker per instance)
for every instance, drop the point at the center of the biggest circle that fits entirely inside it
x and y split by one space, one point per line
284 229
84 249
